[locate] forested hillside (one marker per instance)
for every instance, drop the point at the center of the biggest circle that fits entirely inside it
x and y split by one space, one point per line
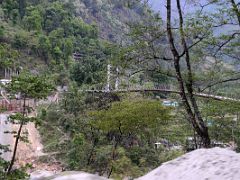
48 34
112 17
114 88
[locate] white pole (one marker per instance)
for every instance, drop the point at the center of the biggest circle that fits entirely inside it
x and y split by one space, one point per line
108 76
117 79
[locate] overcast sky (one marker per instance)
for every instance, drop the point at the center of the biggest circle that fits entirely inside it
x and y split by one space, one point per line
160 6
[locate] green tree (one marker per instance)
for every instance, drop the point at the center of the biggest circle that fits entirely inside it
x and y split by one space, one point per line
44 47
223 120
142 118
54 16
33 19
10 8
89 71
29 86
177 57
8 56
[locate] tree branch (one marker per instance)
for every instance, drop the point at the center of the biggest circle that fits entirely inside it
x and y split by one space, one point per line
220 82
236 10
226 42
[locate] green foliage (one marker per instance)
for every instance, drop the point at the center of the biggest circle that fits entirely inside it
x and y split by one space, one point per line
1 31
30 86
117 136
223 120
78 155
20 40
73 102
16 174
88 73
33 19
54 16
124 167
10 8
44 46
54 32
133 117
90 137
52 137
7 56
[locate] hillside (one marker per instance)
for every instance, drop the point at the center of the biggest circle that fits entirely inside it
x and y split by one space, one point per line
47 35
111 88
112 16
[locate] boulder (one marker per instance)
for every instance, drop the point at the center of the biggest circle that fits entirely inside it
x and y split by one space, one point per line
201 164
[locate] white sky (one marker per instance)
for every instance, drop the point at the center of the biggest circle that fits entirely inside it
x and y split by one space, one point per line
160 6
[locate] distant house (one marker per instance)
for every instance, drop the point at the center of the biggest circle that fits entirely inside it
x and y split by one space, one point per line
210 122
170 103
4 81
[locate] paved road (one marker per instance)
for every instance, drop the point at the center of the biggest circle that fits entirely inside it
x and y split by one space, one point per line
5 139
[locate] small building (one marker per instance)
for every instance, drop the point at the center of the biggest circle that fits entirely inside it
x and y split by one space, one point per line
4 81
170 103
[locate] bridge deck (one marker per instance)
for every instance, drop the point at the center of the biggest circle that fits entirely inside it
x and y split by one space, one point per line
203 95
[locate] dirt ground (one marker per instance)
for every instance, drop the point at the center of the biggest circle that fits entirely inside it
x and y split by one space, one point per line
30 153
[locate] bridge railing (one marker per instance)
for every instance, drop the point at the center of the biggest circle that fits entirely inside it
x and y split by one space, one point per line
16 105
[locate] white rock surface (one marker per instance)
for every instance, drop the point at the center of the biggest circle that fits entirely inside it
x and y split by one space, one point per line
67 175
201 164
40 175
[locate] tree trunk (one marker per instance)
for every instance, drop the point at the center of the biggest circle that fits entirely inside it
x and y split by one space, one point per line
17 139
15 148
118 139
94 141
190 104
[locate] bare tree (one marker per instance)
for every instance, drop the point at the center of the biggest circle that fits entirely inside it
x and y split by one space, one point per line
186 86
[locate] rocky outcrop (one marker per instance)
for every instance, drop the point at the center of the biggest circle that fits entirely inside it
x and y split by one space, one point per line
67 175
201 164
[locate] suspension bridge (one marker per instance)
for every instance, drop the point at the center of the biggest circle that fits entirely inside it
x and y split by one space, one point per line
163 88
14 104
144 90
10 104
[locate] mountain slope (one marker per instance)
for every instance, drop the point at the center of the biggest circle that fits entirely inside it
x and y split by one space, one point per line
111 16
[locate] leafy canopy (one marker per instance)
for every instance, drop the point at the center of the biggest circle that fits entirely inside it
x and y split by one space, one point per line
132 117
30 86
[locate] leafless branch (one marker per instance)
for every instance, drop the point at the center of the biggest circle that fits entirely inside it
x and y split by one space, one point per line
220 82
226 42
205 5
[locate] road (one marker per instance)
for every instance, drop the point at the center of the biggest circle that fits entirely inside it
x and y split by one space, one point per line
5 138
